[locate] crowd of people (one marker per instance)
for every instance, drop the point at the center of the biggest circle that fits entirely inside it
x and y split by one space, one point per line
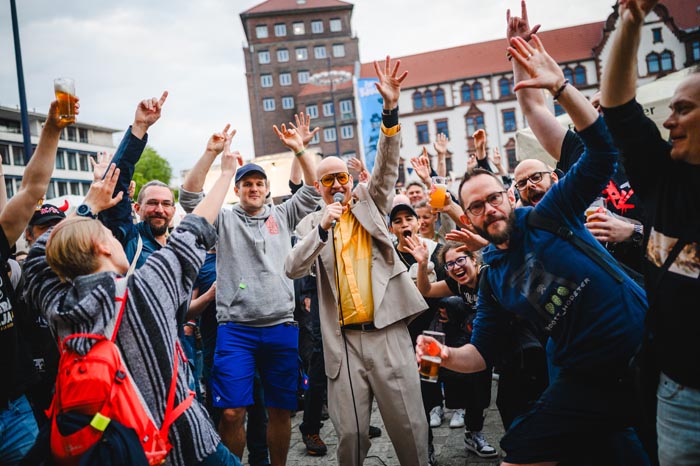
585 315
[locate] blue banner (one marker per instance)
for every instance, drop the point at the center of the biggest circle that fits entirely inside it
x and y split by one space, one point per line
371 108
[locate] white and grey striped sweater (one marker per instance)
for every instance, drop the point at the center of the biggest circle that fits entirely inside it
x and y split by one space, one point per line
148 329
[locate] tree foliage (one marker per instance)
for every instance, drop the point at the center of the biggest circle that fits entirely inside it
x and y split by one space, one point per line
151 167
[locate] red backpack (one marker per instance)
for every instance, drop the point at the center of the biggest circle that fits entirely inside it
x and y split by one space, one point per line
98 384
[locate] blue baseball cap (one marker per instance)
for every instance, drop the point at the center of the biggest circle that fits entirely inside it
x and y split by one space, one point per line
247 169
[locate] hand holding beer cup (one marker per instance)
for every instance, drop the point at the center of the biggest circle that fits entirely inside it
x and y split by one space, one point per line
438 192
64 88
430 349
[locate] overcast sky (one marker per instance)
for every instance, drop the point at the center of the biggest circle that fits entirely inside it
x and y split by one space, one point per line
122 52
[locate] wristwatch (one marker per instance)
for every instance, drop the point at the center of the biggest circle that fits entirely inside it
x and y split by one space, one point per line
84 211
638 234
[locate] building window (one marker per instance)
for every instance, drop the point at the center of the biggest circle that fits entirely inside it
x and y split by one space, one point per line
283 55
72 161
466 93
568 74
83 135
320 52
5 153
285 79
346 108
422 133
666 61
84 164
696 51
653 63
301 53
287 103
656 35
72 134
312 111
18 156
60 161
474 122
316 138
477 92
298 28
509 124
264 57
303 77
512 159
269 104
62 188
329 134
328 109
336 25
417 101
261 31
280 30
504 87
428 97
51 191
558 109
580 76
75 188
338 50
347 132
9 187
86 188
440 98
441 127
266 80
316 27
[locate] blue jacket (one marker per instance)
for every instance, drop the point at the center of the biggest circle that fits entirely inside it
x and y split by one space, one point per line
118 218
594 322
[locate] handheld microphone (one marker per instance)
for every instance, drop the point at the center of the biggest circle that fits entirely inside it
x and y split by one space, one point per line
337 197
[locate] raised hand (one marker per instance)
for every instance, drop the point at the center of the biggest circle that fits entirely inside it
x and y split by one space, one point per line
147 113
636 10
358 165
100 165
472 241
418 249
519 26
216 141
229 158
480 143
99 197
290 137
54 121
389 85
303 127
543 70
440 144
422 166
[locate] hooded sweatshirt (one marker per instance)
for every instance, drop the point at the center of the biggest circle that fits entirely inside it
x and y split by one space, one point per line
252 288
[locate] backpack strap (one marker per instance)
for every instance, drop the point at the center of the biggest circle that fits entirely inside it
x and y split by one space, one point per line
537 220
120 297
172 412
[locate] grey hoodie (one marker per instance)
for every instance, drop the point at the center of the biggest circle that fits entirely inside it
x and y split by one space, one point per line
251 286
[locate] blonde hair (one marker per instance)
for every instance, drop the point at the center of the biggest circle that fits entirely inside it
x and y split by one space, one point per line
71 250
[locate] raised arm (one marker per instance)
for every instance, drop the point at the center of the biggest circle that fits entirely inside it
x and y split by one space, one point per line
419 251
194 181
440 146
296 137
619 81
16 214
211 205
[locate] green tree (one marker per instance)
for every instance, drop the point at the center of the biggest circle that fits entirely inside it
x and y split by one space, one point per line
151 167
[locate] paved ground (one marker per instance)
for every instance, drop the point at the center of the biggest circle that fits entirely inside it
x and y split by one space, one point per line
449 443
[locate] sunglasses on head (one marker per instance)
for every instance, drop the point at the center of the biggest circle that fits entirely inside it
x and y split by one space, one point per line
329 179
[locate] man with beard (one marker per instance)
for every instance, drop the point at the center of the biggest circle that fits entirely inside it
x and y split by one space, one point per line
594 316
155 203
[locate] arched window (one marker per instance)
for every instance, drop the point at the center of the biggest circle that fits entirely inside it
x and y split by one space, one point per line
653 65
417 101
568 74
440 98
474 121
504 87
666 61
466 93
477 92
580 76
428 95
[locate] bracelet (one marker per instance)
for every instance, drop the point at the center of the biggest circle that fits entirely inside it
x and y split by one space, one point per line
300 153
561 89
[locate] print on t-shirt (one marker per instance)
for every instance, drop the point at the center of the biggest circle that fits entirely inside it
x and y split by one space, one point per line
688 261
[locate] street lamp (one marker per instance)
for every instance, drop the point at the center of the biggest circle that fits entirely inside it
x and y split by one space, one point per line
331 78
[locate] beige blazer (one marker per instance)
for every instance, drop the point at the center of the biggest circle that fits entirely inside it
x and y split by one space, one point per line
395 296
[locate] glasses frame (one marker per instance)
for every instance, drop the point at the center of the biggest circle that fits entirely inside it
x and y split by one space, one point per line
459 262
480 207
334 176
530 180
153 204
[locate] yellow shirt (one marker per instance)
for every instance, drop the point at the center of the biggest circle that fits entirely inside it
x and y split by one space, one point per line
353 246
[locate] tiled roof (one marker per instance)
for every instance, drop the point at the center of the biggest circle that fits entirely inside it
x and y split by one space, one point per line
484 58
271 6
685 13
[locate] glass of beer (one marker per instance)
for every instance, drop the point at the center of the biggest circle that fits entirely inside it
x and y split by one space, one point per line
438 192
65 94
431 360
597 207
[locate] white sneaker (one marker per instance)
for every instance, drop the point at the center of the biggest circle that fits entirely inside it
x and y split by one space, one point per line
475 442
436 415
457 419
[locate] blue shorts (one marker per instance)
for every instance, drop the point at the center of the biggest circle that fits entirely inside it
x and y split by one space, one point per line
240 350
578 416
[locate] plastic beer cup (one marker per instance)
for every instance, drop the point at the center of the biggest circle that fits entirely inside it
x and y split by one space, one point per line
438 192
65 94
431 360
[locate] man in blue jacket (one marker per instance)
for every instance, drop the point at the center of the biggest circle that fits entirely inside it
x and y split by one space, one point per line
594 319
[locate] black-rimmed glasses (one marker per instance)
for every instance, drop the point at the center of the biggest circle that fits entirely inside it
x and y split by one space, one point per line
459 262
495 199
535 178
